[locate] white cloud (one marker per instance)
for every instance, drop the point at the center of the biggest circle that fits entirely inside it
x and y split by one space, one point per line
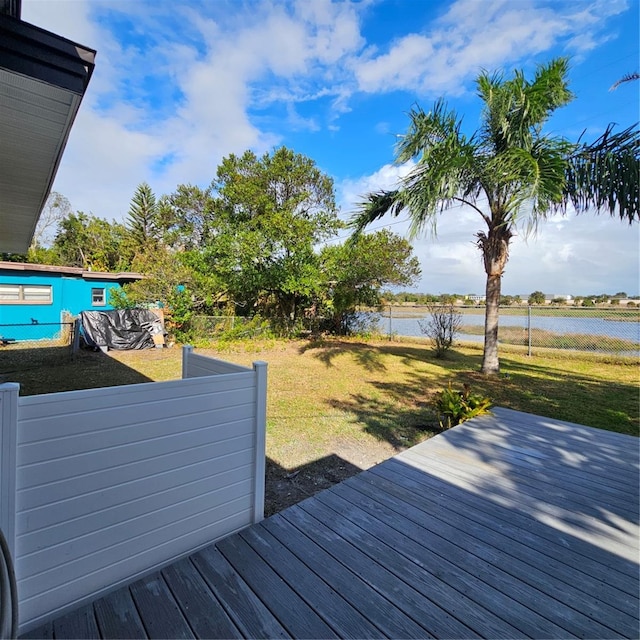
180 90
168 108
476 35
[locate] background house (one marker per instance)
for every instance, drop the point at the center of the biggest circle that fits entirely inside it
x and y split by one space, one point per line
33 294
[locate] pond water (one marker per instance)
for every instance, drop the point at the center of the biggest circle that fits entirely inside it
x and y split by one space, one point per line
561 325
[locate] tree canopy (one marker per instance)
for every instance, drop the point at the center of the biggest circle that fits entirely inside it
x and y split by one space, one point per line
251 243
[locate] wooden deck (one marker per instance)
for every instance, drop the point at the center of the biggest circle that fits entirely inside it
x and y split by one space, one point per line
509 526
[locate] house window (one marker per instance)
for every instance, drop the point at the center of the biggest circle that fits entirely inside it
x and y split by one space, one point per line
98 298
25 294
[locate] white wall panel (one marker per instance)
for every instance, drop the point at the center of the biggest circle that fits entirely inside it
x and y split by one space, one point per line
113 483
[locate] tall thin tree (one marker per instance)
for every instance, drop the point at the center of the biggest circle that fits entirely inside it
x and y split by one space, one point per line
508 171
142 218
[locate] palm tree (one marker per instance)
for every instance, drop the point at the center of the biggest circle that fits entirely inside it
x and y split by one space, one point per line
508 171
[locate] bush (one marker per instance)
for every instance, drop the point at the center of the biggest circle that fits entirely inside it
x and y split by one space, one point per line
442 327
455 407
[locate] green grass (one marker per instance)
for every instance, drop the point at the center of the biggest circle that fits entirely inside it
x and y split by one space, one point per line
325 396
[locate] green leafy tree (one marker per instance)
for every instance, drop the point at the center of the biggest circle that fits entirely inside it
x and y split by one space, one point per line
269 215
91 243
356 272
508 171
185 218
537 297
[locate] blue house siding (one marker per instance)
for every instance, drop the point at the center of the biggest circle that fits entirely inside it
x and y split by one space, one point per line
71 291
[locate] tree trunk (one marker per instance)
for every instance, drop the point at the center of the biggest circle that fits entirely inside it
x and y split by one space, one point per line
495 253
490 362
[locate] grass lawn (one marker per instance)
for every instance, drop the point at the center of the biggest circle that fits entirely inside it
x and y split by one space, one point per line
337 406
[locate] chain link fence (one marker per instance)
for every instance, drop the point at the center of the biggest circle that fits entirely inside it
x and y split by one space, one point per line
210 326
606 330
29 346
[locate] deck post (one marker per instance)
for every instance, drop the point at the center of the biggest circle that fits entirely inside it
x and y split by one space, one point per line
260 369
187 350
8 460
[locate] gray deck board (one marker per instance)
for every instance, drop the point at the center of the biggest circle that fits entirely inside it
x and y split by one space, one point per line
78 624
403 592
514 542
205 614
248 612
345 620
158 609
390 620
595 523
563 487
509 526
424 570
118 617
566 606
300 620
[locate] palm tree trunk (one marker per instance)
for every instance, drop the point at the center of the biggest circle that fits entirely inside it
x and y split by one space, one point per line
490 362
495 253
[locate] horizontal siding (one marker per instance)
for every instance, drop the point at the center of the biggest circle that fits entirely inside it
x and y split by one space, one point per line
34 611
106 505
40 571
157 397
113 483
204 366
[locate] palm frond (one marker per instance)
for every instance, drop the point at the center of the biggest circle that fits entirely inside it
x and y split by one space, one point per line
605 174
438 127
375 206
629 77
515 109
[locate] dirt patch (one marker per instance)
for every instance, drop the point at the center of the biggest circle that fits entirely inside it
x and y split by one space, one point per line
284 487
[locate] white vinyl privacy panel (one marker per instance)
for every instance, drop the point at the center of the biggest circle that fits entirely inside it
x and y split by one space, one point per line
113 483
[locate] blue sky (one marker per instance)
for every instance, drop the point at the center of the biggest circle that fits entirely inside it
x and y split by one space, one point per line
181 84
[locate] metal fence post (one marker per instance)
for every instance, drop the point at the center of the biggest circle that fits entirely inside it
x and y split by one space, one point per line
390 326
529 329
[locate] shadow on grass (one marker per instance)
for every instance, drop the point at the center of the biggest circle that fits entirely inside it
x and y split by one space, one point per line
84 370
543 389
401 427
553 392
286 487
367 356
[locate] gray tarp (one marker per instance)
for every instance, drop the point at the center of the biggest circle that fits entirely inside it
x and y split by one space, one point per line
121 328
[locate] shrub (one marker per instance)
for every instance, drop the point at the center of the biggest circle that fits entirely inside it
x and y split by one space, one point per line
455 407
442 327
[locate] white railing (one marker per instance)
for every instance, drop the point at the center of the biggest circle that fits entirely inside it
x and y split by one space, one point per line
99 487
